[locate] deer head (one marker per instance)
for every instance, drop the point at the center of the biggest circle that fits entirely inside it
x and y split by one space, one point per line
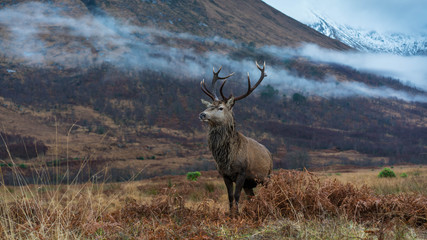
219 112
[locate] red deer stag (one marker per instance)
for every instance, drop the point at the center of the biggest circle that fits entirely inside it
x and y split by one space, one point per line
238 158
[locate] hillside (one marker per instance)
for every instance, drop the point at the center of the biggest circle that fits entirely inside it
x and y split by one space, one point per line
242 21
116 84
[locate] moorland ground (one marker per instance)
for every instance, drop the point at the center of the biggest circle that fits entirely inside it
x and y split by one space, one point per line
330 204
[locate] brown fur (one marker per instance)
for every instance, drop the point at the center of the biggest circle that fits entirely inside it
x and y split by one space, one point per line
239 159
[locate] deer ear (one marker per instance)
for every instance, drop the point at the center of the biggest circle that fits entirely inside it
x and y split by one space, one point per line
206 103
230 102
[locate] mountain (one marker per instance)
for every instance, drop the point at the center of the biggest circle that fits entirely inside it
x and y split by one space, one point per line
371 41
88 85
246 21
243 21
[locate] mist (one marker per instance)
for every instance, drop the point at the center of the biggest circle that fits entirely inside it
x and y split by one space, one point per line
43 35
410 70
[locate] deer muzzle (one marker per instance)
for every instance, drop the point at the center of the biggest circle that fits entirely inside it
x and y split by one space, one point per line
202 116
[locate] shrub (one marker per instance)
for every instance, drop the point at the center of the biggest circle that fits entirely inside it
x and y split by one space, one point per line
140 158
386 172
192 176
298 98
22 165
269 93
403 175
100 130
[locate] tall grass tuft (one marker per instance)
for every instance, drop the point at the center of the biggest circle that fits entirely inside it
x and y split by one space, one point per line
48 210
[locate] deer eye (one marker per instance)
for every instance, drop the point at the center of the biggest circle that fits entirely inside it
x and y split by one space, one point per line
221 108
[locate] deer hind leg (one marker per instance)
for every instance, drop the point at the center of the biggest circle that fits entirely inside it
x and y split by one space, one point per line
249 192
248 187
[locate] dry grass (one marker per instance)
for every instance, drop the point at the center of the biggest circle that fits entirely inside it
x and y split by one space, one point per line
298 195
415 182
293 205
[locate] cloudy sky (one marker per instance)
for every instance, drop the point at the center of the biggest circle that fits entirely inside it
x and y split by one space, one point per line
405 16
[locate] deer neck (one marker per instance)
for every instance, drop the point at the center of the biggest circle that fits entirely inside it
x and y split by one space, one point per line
223 139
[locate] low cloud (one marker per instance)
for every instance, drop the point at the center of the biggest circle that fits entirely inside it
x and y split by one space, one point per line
331 88
43 35
410 70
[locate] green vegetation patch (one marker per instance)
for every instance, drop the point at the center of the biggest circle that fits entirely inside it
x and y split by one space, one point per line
192 176
386 173
23 166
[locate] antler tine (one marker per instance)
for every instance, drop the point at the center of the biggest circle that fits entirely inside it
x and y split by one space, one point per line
215 78
216 73
251 89
261 69
205 90
220 90
222 85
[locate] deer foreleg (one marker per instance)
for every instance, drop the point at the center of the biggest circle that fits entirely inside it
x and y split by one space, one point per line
240 181
229 184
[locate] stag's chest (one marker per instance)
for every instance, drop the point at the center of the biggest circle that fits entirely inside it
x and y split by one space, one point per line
224 150
221 151
221 148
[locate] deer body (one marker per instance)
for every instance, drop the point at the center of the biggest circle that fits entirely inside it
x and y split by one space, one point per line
239 159
235 153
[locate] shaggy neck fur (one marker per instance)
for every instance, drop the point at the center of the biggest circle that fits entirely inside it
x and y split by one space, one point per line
222 140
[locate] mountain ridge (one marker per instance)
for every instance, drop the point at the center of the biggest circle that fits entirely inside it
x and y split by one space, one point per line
369 40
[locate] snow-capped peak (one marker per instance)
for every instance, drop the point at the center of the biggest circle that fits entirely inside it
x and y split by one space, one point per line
370 40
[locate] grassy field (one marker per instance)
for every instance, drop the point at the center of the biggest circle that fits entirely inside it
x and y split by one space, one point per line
409 179
345 204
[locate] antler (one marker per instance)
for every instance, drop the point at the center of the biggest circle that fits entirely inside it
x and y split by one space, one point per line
205 90
250 89
215 78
